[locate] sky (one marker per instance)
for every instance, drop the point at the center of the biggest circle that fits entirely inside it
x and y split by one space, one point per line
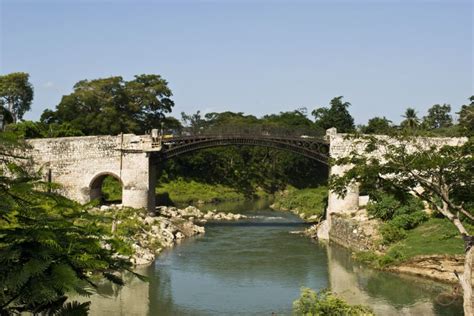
256 57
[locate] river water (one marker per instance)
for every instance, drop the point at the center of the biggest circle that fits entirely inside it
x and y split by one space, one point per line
257 267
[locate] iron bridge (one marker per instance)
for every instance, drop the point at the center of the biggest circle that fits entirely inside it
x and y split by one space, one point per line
316 148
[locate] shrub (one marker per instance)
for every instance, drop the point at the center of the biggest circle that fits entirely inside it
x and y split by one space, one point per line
325 303
392 256
384 206
409 221
391 233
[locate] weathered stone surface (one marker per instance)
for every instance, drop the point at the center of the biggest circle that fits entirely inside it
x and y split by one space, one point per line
436 267
356 232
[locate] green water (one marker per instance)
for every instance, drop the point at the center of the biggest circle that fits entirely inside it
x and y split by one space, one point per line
256 267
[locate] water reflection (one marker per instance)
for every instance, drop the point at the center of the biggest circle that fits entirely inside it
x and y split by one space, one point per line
258 269
386 293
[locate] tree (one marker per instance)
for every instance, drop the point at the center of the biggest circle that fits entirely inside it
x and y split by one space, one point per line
50 246
411 119
30 129
466 117
438 117
337 115
16 94
442 176
377 125
113 105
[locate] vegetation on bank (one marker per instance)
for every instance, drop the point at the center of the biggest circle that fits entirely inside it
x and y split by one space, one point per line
436 236
49 246
440 176
308 201
183 191
324 302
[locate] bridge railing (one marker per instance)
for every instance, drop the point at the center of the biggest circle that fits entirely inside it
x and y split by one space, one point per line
247 130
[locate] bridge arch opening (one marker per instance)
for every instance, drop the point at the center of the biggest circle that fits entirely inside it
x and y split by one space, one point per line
106 187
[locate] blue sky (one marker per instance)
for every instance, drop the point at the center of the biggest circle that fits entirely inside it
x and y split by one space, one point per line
256 57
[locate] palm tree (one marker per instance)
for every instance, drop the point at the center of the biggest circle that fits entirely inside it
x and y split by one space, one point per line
411 119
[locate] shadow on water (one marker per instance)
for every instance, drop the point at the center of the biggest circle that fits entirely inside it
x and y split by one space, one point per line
256 267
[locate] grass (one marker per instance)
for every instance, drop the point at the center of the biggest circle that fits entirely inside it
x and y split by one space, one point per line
183 191
437 236
310 201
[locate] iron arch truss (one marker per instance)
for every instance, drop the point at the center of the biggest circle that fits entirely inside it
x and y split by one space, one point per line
311 147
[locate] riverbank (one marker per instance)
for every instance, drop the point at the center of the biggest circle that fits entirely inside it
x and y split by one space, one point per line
258 267
309 204
432 250
149 234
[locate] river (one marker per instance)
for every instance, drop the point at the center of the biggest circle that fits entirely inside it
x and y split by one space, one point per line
256 267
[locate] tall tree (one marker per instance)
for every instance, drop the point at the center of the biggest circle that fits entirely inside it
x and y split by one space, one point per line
377 125
411 119
438 117
16 94
113 105
442 176
466 117
337 115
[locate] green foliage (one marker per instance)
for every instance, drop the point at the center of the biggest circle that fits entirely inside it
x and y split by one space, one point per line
411 119
324 302
309 201
337 115
378 125
466 117
438 117
391 233
29 129
400 214
16 94
49 245
182 191
113 105
111 189
247 169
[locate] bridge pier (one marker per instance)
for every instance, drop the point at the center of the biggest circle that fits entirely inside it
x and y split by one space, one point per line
139 181
348 203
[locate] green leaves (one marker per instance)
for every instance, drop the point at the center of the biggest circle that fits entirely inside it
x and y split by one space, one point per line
49 246
112 105
16 94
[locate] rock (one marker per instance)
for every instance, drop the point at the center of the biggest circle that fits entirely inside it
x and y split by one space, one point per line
179 235
323 230
104 208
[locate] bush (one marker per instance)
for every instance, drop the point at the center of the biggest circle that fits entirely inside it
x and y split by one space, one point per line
325 303
409 221
391 233
387 206
384 207
392 256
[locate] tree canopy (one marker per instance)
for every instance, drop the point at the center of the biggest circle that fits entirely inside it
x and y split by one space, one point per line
113 105
16 94
337 115
438 117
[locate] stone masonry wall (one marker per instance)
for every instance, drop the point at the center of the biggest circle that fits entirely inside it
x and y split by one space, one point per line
76 162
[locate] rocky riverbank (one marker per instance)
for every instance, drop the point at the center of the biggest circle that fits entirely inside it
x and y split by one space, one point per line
148 234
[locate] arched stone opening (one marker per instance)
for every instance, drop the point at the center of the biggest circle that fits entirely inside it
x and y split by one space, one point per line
106 187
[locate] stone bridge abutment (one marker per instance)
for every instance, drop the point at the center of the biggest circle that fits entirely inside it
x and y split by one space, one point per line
79 164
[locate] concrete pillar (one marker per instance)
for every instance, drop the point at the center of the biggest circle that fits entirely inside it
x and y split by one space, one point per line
349 202
138 176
